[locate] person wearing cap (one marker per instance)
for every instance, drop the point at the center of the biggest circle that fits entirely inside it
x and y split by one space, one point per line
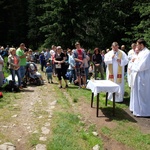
116 60
42 61
59 64
49 72
79 56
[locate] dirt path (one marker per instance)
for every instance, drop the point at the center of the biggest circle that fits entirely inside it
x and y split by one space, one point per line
35 109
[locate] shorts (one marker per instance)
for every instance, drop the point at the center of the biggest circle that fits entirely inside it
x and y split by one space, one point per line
49 76
80 71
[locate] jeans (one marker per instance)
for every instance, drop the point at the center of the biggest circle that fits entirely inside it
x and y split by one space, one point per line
22 70
72 76
87 72
16 72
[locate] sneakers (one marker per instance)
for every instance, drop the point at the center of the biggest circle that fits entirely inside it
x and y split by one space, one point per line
52 82
83 86
60 87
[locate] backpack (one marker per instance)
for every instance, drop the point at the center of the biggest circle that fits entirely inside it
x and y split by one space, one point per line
11 87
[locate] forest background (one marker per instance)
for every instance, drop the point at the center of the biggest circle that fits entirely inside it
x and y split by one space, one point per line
95 23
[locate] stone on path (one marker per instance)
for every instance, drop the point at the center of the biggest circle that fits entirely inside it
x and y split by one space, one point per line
40 147
7 146
45 130
43 138
96 147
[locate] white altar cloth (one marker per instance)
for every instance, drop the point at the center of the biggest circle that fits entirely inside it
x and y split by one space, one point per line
97 86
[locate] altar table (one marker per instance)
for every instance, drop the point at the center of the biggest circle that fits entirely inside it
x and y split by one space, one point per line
97 86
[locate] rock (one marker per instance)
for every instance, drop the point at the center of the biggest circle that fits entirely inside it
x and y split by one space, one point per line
14 116
45 130
52 107
47 124
95 133
53 103
40 117
96 147
7 146
35 132
43 138
40 147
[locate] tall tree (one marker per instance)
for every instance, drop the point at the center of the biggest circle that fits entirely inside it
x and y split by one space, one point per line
35 37
142 29
14 19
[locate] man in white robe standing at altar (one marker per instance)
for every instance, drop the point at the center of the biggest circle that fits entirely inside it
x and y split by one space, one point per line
141 81
116 60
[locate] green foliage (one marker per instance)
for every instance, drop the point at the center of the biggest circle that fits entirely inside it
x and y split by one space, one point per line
142 29
63 22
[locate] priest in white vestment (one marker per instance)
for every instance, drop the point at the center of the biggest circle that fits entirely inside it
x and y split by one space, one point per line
141 81
131 53
116 60
132 77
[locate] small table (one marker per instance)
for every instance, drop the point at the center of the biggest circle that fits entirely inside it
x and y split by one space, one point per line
97 86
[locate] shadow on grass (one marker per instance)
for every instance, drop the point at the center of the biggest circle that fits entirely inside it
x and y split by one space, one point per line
120 114
27 90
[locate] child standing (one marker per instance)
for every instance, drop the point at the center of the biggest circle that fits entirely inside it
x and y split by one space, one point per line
49 72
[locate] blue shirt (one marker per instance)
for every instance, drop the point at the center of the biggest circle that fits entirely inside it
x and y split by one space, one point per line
49 69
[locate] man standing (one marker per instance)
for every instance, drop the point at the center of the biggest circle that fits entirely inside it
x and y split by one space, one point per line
116 60
131 53
141 81
47 55
79 56
22 55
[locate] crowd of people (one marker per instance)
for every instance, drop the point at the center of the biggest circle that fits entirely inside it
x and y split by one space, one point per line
77 66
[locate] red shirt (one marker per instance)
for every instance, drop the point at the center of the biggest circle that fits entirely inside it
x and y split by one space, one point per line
80 54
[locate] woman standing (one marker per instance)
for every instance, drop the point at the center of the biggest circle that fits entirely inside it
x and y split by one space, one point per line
97 61
60 66
1 70
14 66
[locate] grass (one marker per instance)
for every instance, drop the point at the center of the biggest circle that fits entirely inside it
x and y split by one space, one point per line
68 130
69 133
129 135
126 132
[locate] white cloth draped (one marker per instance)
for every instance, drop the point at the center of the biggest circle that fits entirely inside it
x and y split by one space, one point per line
140 89
131 55
109 60
97 86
